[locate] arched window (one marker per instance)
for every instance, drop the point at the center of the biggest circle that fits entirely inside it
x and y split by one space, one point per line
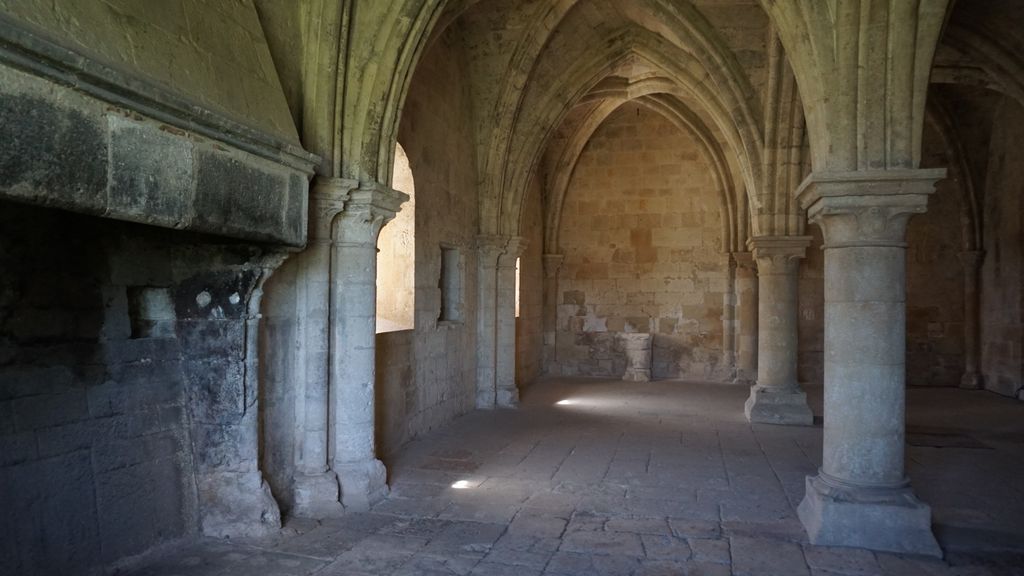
396 258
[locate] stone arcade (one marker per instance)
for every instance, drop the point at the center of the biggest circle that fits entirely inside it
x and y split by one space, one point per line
511 287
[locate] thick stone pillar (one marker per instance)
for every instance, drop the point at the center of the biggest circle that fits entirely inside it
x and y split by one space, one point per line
972 260
353 336
489 249
315 485
777 397
746 314
861 496
507 394
552 264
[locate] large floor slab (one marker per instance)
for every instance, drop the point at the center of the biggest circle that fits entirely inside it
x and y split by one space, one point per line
595 477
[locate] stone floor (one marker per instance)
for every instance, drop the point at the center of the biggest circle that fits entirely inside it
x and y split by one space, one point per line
607 478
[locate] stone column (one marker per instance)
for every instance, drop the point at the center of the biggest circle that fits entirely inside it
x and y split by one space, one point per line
777 397
552 264
315 491
507 394
972 260
746 332
729 318
489 248
861 496
353 342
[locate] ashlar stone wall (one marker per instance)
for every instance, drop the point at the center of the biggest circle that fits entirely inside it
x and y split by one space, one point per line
641 234
426 376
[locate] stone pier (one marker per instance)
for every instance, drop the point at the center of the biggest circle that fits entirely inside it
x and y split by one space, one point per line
777 397
638 348
353 340
746 316
506 393
861 496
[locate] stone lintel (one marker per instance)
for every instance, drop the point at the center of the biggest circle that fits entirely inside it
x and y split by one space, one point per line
884 519
368 208
866 207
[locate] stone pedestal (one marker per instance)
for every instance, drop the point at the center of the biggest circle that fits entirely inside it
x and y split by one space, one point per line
489 249
638 349
861 496
746 316
971 379
777 398
506 392
315 487
353 342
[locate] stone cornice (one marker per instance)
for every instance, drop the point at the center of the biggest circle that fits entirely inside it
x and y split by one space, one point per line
778 254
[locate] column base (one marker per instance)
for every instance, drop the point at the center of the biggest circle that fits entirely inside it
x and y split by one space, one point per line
884 519
237 505
778 406
316 496
637 375
508 398
972 381
363 484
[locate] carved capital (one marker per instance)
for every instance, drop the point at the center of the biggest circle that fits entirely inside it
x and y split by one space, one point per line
514 248
327 199
490 247
743 261
552 264
866 207
367 210
778 254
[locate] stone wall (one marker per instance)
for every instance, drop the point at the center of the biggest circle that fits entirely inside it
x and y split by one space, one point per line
1002 283
641 234
426 377
935 280
529 325
122 347
811 327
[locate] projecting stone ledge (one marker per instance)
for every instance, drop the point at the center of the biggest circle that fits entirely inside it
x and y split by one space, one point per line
638 357
786 406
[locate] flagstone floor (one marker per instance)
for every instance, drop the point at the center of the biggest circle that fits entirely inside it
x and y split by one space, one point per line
595 477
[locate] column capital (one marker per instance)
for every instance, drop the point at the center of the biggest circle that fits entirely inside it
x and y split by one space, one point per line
743 261
327 199
552 264
778 254
368 208
866 207
513 250
490 247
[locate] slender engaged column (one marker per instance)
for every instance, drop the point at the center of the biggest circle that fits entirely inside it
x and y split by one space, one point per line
777 397
315 491
746 333
972 260
489 248
552 264
729 331
861 496
507 394
353 336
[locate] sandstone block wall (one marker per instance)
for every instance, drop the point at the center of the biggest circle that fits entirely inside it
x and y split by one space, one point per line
641 234
426 377
1002 274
